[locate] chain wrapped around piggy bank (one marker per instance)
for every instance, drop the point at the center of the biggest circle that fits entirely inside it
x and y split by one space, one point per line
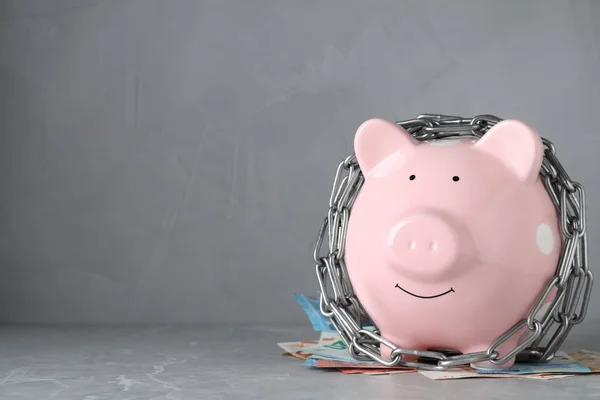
449 233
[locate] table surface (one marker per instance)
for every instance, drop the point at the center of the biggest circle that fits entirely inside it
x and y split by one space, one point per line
231 362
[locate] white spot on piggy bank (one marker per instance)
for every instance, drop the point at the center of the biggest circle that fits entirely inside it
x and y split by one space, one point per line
545 239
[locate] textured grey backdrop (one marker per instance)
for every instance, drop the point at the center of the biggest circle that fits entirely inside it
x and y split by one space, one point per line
171 160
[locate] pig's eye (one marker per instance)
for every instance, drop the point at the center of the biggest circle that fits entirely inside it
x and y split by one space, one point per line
455 178
412 177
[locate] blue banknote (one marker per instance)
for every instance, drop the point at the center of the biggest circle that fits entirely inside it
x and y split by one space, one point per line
561 363
311 362
310 305
319 322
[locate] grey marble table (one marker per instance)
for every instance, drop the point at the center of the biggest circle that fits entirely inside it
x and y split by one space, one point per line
241 362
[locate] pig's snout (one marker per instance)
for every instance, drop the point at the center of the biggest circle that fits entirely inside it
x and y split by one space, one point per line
425 246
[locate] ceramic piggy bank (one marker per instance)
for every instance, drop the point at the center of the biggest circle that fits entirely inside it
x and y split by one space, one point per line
451 242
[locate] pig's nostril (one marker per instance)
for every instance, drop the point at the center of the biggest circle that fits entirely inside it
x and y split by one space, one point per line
433 246
412 245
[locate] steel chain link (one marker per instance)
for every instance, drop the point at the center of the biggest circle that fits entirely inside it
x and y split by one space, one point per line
573 279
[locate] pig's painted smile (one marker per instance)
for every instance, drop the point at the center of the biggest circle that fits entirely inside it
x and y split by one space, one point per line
424 297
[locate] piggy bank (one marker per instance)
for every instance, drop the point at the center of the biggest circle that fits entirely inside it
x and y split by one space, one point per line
451 242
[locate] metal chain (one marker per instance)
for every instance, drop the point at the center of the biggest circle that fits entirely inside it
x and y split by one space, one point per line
573 278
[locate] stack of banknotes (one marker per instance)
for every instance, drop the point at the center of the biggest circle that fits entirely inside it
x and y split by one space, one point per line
330 352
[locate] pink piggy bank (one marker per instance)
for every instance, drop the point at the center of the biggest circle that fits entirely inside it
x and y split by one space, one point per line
451 242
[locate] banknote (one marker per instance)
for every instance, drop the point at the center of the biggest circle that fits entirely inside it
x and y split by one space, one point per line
320 323
298 349
456 373
312 309
469 373
330 346
298 346
302 355
562 363
374 371
561 366
355 368
330 352
590 359
322 363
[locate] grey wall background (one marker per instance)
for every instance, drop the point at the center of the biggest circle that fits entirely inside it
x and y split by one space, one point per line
170 161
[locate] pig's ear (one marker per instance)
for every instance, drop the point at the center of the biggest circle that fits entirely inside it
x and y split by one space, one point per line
517 145
377 140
